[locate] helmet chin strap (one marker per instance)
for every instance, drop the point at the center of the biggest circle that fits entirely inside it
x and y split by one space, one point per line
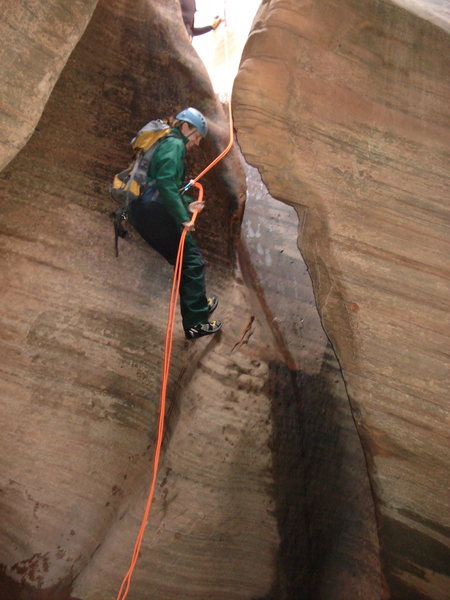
194 131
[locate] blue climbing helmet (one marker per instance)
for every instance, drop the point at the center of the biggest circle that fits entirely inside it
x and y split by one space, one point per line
194 117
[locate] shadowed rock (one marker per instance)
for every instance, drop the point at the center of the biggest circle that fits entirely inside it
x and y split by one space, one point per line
343 107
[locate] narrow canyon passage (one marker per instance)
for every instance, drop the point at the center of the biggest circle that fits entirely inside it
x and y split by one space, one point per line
305 454
325 512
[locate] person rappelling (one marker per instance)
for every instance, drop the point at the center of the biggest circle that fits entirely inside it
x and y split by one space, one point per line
154 202
161 212
188 10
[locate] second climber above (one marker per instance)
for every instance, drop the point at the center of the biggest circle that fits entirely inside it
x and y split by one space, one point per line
161 213
188 10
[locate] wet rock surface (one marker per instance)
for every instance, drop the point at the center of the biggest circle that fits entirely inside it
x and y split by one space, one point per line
342 107
325 511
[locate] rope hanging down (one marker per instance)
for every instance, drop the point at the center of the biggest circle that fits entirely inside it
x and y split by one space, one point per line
126 582
162 405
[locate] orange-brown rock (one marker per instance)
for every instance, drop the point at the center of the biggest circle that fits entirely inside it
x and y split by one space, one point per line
263 489
343 107
36 41
82 335
328 540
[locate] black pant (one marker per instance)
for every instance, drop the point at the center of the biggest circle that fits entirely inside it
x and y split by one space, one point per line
152 221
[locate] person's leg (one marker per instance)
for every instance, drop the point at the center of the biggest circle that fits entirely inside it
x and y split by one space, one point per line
193 301
160 231
156 226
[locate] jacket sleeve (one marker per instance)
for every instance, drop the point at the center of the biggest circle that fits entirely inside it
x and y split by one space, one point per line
201 30
168 170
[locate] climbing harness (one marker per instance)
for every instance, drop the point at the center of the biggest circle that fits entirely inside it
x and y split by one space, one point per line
126 582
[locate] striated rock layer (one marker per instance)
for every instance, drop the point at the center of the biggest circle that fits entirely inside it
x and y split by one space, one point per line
263 490
36 41
328 540
343 107
82 335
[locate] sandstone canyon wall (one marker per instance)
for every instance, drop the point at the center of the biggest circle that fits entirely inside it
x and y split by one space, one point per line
263 490
343 107
82 332
37 39
261 494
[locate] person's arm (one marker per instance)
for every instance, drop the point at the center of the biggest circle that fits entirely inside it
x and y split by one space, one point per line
168 170
201 30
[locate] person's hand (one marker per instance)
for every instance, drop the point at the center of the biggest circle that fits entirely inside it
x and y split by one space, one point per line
197 205
190 225
216 23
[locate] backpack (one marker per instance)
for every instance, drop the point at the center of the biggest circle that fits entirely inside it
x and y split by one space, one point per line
130 184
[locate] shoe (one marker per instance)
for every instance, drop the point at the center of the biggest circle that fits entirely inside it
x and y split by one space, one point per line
213 301
203 329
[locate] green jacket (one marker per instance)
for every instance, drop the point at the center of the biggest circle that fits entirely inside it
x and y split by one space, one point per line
167 170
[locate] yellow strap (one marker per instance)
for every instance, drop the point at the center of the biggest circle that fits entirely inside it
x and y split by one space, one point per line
146 139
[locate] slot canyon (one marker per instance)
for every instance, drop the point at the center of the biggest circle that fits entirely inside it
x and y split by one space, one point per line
306 446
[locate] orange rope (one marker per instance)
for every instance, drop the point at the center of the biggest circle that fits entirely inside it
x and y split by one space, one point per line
125 586
222 154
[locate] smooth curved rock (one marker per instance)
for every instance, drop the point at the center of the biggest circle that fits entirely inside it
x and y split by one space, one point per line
36 41
239 510
325 511
343 107
263 489
82 332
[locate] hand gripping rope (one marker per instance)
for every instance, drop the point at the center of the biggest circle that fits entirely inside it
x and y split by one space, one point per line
124 588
